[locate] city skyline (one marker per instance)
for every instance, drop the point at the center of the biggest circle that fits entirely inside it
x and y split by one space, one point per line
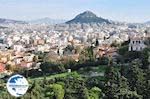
128 11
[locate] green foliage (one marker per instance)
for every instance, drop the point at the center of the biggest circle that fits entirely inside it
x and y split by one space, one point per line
49 67
111 83
95 93
110 74
66 86
41 56
97 42
123 50
136 77
127 94
146 58
90 53
35 91
104 60
147 90
75 87
124 90
69 47
87 54
128 56
5 95
117 86
58 91
115 44
125 43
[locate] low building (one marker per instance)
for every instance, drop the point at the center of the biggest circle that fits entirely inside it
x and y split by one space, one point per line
105 50
26 64
136 44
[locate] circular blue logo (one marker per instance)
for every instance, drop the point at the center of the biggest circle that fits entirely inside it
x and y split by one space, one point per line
17 85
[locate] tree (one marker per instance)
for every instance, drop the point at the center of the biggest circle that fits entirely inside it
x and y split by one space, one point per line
57 90
35 91
104 60
147 90
115 44
111 86
75 87
90 53
123 49
146 58
124 91
136 77
69 48
83 56
95 93
117 86
49 67
87 54
41 56
110 74
97 42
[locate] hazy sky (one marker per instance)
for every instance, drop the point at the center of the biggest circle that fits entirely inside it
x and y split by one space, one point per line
120 10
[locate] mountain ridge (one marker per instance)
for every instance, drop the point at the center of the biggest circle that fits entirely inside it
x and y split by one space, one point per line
47 20
11 21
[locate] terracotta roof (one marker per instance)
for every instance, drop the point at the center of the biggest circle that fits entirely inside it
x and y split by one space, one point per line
2 67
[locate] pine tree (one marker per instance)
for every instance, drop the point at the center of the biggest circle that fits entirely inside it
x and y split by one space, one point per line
136 77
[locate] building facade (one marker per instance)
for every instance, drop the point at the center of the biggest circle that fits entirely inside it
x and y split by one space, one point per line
136 44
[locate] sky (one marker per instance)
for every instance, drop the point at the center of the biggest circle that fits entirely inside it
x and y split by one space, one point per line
117 10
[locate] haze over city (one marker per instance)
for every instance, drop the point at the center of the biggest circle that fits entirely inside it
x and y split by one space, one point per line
118 10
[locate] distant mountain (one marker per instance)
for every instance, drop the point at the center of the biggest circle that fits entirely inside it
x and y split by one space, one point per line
10 21
47 21
88 17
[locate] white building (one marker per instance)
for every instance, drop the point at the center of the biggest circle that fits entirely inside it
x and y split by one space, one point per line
18 48
136 44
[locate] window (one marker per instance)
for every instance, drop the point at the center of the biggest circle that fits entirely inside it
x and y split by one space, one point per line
139 42
131 48
133 42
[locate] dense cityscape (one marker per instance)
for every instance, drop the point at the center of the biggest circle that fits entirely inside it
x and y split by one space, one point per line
87 57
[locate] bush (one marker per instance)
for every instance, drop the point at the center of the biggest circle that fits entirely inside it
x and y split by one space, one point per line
95 93
50 68
58 91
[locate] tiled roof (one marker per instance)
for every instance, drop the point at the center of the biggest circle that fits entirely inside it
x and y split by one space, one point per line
2 67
